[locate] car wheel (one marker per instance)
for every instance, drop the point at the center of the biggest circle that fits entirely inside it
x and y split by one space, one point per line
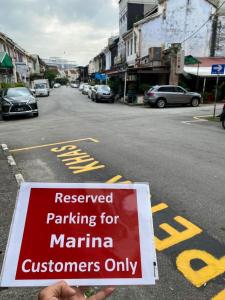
195 102
223 123
161 103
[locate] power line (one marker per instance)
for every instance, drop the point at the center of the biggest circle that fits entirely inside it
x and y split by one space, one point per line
210 18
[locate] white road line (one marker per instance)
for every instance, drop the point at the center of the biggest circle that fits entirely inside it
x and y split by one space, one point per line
19 178
196 121
11 161
4 147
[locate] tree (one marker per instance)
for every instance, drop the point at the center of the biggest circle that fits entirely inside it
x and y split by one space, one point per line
51 76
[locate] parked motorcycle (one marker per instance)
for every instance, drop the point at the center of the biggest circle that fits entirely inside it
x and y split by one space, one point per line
222 117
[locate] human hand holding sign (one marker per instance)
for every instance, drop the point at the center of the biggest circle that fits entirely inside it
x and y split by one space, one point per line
62 291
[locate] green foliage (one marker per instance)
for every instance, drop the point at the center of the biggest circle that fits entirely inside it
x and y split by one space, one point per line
115 84
50 75
90 292
144 87
4 85
62 81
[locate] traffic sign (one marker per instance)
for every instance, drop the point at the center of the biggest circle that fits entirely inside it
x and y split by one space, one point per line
87 234
218 69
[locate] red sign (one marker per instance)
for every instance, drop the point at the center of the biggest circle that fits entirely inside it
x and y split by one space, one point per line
76 232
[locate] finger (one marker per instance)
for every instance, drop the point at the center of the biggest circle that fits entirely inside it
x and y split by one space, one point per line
103 294
56 290
79 294
67 291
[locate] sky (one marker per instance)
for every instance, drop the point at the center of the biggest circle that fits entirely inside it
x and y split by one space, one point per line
72 29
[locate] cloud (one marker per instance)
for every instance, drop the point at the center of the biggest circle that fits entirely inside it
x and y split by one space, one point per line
51 28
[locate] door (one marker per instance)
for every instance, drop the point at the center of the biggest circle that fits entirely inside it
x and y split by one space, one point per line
167 92
180 96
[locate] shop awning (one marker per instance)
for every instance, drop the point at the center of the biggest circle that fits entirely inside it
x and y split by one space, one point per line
5 60
191 60
201 71
204 68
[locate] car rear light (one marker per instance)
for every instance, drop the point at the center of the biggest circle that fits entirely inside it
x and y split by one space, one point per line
150 94
224 106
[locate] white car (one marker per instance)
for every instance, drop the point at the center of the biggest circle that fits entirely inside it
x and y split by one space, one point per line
57 85
41 89
74 85
85 89
82 86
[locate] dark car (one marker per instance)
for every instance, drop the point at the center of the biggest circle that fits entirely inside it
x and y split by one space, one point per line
102 93
222 117
163 95
18 101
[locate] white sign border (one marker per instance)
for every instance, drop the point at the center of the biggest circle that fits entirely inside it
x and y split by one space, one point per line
147 248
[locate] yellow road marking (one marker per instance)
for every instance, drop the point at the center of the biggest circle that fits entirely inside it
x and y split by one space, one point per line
116 179
213 266
175 236
53 144
159 207
220 296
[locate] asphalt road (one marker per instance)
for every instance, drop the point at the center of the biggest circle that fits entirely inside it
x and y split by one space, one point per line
182 160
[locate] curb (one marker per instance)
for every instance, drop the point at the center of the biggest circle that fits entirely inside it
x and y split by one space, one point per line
18 176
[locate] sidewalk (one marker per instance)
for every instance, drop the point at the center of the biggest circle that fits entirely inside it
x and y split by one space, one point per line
8 193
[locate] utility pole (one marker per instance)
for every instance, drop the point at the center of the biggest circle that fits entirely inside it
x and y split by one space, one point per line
214 34
215 25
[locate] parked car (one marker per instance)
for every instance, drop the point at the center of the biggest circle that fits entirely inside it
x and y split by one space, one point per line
41 87
82 86
18 101
56 85
222 117
102 93
74 85
163 95
85 89
90 91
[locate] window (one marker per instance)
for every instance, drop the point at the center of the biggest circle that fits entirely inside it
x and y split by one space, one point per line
131 47
169 89
179 90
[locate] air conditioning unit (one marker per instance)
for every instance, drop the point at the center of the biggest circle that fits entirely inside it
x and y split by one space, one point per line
155 53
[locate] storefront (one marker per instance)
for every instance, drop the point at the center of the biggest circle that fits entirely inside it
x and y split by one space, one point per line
6 68
199 78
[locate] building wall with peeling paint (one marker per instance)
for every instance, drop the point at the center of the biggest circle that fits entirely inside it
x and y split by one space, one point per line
220 44
178 21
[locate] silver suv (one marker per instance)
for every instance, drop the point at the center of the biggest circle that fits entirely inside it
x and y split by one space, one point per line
162 95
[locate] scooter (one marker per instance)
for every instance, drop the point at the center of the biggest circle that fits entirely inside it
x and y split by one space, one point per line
222 117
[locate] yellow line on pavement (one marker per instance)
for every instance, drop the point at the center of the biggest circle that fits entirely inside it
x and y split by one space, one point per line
54 144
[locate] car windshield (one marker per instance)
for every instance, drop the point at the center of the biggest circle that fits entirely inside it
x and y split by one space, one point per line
40 86
104 88
17 92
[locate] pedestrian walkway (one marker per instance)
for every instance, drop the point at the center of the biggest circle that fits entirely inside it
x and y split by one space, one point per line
8 191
